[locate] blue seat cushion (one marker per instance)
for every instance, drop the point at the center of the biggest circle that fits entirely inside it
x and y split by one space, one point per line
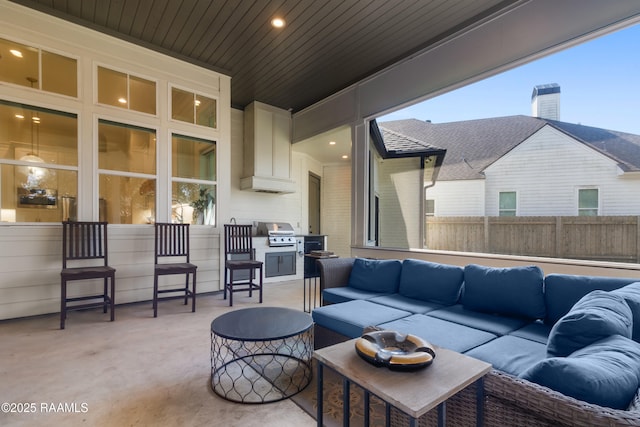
536 331
631 294
562 291
605 373
375 275
350 318
440 332
499 325
510 354
511 291
347 293
597 315
402 302
430 281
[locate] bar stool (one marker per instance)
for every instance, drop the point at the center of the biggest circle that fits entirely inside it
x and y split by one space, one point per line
172 243
85 243
240 256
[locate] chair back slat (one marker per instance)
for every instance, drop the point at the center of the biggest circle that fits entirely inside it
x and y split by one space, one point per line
237 239
84 240
172 240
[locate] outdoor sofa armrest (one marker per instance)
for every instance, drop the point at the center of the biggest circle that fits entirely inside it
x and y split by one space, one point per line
517 402
334 272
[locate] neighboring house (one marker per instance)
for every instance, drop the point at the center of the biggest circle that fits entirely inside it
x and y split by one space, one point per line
529 166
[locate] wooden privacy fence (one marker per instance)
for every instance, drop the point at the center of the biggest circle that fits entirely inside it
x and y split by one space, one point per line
606 238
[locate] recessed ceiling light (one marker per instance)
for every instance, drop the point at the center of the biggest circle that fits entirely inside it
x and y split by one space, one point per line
35 119
122 100
16 52
197 102
277 22
345 157
19 116
332 143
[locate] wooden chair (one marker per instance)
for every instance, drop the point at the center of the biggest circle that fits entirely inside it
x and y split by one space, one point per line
84 256
239 256
172 244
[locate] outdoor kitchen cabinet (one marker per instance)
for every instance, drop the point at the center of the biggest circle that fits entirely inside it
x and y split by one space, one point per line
280 263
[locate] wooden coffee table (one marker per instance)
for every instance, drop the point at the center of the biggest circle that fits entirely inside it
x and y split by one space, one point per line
414 393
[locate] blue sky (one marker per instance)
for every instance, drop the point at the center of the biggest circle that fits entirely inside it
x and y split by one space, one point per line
599 83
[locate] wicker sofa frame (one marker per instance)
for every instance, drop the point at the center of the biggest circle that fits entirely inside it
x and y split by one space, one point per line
509 400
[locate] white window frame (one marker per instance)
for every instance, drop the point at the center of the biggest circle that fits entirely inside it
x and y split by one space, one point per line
515 210
597 208
172 86
172 179
129 74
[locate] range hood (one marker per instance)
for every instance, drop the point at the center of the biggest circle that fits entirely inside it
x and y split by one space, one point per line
267 150
268 184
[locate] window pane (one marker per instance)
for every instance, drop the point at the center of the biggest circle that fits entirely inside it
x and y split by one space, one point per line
588 202
127 200
35 194
588 199
59 74
206 111
182 105
19 64
193 203
112 88
126 148
430 207
143 95
193 158
47 136
508 200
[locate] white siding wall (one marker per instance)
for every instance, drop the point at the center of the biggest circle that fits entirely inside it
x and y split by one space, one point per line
399 185
458 198
30 263
547 170
336 207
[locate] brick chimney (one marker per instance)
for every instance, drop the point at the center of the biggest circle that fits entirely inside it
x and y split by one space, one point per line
545 101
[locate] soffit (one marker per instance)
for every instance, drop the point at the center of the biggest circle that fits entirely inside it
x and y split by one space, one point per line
326 45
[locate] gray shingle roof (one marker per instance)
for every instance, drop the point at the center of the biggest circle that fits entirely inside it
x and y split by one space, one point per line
473 145
401 144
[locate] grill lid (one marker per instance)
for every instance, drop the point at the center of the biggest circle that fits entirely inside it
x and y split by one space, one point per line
274 229
280 233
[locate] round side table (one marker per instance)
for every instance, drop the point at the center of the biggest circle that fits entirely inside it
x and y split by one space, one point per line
261 354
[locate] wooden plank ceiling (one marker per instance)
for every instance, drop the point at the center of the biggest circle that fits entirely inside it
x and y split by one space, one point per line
324 47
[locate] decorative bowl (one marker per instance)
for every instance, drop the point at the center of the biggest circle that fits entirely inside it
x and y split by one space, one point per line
396 351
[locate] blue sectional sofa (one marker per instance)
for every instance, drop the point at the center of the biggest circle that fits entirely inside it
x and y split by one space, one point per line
569 343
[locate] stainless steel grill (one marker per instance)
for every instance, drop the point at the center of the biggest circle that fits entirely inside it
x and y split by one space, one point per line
279 233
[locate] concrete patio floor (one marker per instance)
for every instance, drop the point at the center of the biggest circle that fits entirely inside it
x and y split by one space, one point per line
136 371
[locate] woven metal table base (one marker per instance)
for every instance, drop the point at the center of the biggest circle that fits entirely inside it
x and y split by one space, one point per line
261 371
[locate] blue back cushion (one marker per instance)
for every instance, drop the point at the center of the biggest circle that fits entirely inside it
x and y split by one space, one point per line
376 275
605 373
430 281
597 315
631 294
515 291
562 291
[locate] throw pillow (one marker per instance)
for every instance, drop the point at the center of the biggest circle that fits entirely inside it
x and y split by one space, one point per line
430 281
595 316
375 275
516 291
605 373
631 294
